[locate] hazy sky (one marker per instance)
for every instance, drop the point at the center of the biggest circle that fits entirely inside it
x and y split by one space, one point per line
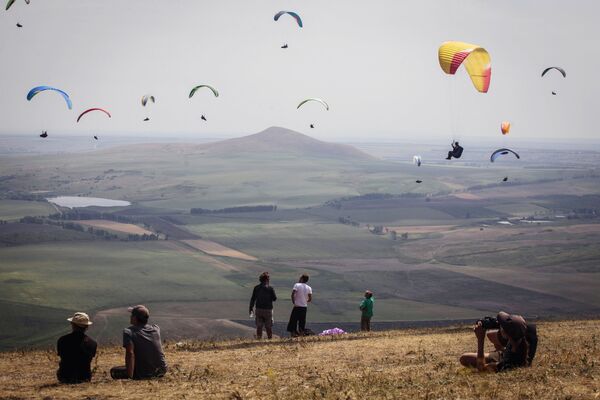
375 62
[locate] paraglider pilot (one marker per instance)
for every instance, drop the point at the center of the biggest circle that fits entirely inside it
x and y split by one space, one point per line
456 152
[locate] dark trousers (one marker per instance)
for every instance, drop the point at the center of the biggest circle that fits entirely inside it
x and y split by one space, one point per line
297 320
365 324
119 373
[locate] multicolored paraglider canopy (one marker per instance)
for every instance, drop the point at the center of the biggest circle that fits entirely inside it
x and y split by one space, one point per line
39 89
293 14
452 55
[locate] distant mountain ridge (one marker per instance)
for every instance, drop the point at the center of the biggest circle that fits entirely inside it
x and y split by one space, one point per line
284 141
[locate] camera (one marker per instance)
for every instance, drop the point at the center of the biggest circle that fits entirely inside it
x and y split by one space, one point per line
489 323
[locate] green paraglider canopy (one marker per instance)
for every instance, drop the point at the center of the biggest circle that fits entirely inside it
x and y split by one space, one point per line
215 92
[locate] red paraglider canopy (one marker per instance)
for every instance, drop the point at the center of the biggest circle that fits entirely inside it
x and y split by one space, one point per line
93 109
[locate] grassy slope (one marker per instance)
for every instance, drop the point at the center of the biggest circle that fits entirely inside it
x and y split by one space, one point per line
396 364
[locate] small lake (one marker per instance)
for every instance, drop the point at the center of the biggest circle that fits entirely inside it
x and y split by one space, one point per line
76 201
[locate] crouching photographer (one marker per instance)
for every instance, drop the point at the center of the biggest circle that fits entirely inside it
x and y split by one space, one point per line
515 342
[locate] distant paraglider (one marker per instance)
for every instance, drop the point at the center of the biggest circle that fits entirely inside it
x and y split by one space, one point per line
417 161
285 46
505 127
314 99
203 118
44 134
419 181
19 25
146 119
293 14
93 109
33 92
312 126
505 179
476 59
195 89
95 137
559 69
502 152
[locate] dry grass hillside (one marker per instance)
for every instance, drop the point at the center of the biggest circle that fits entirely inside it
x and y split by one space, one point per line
412 364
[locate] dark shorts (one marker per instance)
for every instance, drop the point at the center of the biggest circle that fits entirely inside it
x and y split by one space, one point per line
264 318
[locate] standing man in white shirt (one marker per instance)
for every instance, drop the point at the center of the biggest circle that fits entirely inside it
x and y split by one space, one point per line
301 296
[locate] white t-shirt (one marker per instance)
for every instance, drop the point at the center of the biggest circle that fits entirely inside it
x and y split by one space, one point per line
301 295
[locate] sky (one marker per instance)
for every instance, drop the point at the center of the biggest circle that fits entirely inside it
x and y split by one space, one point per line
374 62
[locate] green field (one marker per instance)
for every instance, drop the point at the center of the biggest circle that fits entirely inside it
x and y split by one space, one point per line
11 210
298 240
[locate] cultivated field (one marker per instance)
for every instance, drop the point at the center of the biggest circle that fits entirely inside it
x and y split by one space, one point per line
115 226
410 364
216 249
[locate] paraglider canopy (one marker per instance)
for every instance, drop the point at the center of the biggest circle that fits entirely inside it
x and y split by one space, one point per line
195 89
293 14
314 99
559 69
146 98
11 2
39 89
476 59
505 127
502 152
417 160
93 109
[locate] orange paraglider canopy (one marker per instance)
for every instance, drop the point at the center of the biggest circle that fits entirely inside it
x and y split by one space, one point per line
505 127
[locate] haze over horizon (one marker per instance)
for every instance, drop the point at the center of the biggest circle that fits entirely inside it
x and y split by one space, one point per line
375 64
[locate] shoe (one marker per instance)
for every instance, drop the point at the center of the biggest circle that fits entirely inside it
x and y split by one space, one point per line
448 158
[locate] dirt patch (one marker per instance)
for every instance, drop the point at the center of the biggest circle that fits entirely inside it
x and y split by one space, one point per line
216 249
193 252
116 226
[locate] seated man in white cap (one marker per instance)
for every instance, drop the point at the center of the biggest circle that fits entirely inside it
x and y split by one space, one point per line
144 357
76 351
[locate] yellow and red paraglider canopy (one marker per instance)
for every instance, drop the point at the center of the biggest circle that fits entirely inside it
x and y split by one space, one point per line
505 127
476 59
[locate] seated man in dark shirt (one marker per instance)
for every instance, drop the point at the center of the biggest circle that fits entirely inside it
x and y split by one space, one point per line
144 357
515 342
456 151
263 296
76 351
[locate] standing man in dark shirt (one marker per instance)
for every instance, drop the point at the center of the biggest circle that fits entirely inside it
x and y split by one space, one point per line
144 357
263 296
76 351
